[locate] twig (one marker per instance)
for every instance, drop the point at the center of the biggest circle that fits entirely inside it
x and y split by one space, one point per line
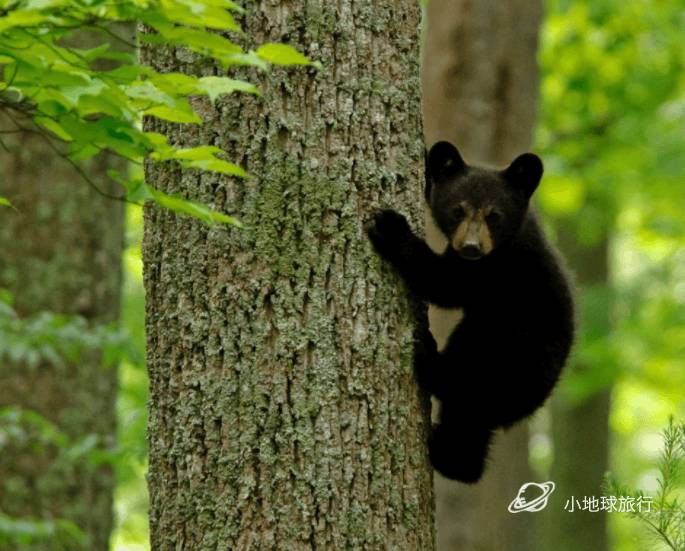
115 36
4 146
11 80
79 170
661 533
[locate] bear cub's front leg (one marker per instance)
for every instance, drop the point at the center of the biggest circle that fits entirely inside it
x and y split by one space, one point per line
426 275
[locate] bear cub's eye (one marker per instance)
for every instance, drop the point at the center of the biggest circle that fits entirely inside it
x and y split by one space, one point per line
493 216
458 212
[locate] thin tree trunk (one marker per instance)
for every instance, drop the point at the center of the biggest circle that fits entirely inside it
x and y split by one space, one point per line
480 87
60 251
284 413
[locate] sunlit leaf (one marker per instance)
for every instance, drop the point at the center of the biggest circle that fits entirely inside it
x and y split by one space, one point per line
197 210
54 127
174 114
4 202
283 54
217 86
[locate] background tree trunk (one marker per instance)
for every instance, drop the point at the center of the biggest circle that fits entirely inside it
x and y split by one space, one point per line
283 409
580 430
480 88
60 252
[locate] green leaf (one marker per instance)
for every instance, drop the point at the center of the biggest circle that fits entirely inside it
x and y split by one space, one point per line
21 18
203 157
197 210
249 58
217 86
283 54
96 105
54 127
195 153
197 40
136 189
4 202
145 90
128 73
74 93
218 165
6 297
83 152
174 114
199 14
176 83
156 139
93 53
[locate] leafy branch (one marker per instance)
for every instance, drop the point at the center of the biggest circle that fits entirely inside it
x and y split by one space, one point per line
666 520
54 89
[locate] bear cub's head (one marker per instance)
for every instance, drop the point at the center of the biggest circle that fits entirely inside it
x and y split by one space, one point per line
478 209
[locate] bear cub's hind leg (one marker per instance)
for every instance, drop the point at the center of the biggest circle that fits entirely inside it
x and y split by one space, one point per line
458 449
427 359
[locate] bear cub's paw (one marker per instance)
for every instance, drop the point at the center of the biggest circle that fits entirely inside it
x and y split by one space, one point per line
388 231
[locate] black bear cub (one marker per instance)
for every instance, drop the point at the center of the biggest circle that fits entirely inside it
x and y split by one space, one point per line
501 362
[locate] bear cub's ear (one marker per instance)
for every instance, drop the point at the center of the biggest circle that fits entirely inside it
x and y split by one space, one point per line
442 162
525 172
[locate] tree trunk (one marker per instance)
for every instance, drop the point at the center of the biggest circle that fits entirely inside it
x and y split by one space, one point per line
61 251
581 430
480 87
284 413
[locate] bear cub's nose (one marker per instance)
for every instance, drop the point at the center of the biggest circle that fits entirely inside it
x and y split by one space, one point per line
470 252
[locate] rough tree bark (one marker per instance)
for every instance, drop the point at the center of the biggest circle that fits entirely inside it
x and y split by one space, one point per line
283 413
60 251
480 87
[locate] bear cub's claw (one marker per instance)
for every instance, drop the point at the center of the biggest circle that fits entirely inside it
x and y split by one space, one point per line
388 231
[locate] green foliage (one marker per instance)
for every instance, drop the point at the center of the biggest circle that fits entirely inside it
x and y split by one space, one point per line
612 97
53 338
612 104
19 532
48 338
612 113
19 426
57 340
612 110
21 429
93 99
666 518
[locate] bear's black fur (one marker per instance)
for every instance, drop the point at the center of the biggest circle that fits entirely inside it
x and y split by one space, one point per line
502 361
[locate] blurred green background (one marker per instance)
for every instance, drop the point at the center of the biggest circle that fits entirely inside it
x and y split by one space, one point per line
611 131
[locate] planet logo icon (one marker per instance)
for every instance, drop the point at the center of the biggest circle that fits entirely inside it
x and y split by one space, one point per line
531 497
